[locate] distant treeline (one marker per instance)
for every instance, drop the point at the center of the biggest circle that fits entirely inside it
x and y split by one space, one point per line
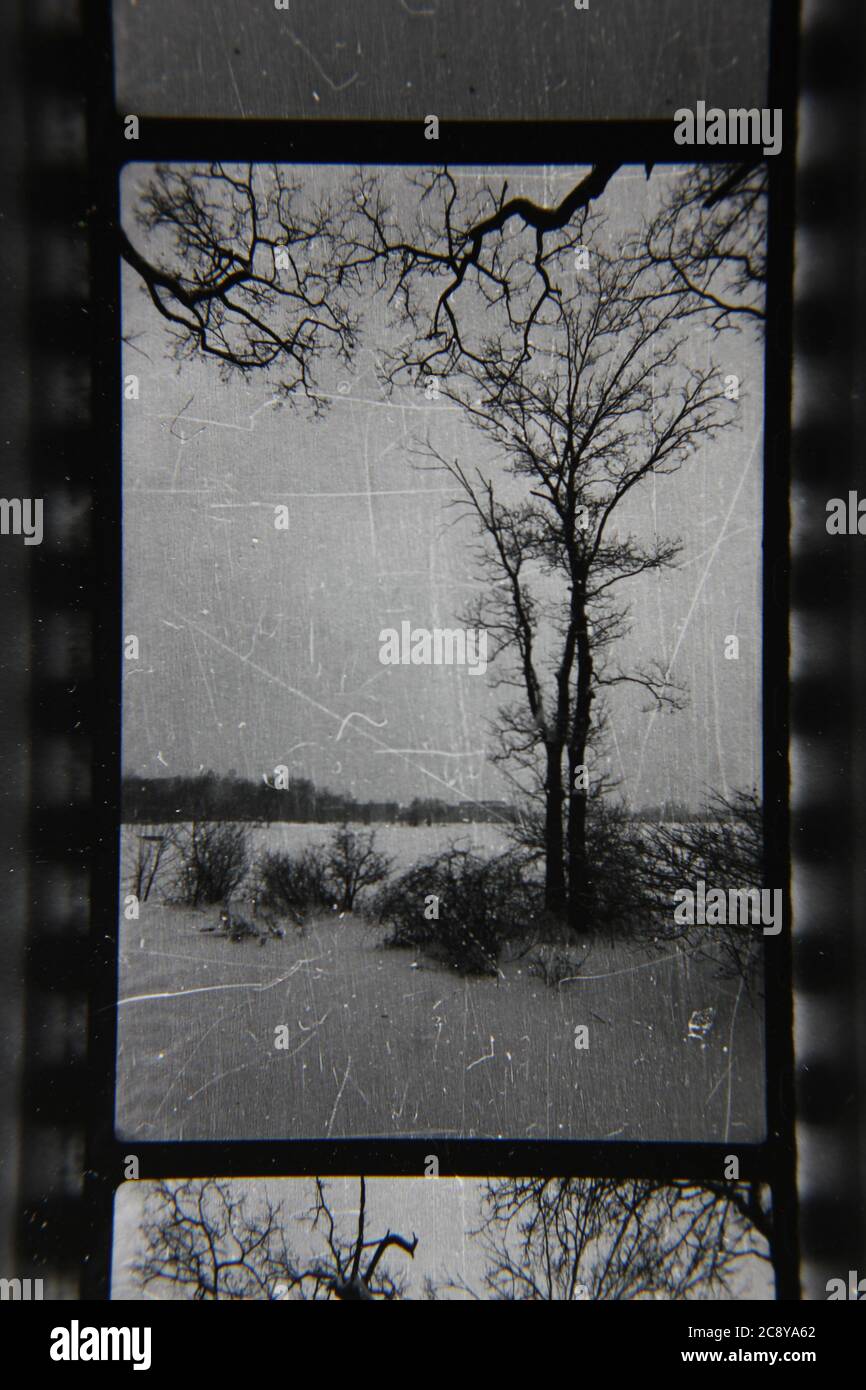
209 796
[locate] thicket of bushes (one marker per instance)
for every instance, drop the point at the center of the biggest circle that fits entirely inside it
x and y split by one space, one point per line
293 884
462 908
726 853
636 868
210 861
333 876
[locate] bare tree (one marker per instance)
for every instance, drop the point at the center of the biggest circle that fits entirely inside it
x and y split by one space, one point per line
709 242
246 268
558 1239
356 1277
204 1241
211 861
601 402
451 247
238 265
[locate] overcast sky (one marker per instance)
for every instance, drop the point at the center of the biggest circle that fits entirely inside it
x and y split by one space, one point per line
260 647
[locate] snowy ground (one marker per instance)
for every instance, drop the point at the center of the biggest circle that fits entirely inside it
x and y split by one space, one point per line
384 1042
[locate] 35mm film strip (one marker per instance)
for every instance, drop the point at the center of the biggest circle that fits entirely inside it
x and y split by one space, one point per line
52 376
190 1097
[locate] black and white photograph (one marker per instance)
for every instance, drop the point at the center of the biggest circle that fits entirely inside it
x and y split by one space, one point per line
526 1240
432 755
442 614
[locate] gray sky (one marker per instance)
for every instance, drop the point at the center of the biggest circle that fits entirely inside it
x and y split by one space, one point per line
260 647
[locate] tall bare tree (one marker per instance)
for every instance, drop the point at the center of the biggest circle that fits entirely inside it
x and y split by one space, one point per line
572 359
600 401
237 261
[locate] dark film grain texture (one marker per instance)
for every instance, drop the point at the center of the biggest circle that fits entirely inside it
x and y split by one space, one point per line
400 59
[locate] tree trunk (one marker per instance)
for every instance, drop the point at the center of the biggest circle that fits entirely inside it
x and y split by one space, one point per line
579 887
554 873
578 867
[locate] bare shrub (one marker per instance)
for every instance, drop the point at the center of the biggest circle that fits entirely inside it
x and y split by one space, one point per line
635 868
321 878
212 860
294 884
461 908
353 864
726 851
